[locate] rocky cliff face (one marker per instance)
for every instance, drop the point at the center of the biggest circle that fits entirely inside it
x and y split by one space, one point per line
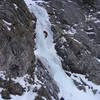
16 37
17 32
16 44
76 27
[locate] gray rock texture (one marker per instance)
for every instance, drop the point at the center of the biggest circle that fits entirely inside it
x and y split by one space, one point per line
76 28
16 37
17 33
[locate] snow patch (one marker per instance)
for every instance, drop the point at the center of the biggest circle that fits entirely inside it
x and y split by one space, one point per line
2 74
7 24
16 7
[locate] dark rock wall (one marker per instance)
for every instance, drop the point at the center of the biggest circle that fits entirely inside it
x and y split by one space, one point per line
16 37
79 51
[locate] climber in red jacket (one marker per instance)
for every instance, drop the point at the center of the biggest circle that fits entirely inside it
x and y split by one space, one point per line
45 34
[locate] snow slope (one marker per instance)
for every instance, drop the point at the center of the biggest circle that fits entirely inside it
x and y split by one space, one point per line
28 95
45 51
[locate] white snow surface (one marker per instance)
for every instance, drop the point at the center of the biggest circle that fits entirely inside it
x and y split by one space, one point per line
7 24
16 7
46 52
29 94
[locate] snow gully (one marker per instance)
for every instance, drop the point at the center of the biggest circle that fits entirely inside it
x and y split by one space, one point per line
45 51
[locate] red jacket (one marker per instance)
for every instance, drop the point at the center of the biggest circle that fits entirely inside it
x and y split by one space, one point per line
45 34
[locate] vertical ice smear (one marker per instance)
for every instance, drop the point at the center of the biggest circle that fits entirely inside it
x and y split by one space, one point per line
46 52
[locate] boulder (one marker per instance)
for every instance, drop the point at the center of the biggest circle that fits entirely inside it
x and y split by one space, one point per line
5 94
